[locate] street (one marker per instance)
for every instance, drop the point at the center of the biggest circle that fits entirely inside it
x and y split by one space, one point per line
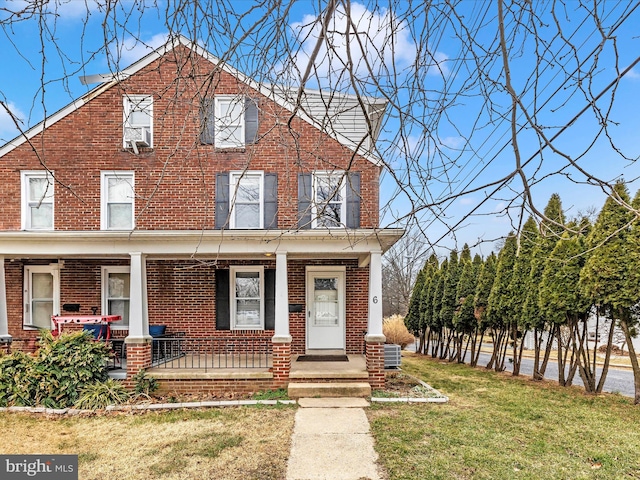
618 380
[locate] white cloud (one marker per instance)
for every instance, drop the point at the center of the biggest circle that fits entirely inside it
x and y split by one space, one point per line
64 9
467 201
633 74
454 143
133 49
8 129
372 44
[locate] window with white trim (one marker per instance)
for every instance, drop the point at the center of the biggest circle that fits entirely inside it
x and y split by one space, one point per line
138 121
117 201
229 121
37 200
329 200
115 293
247 298
246 191
41 295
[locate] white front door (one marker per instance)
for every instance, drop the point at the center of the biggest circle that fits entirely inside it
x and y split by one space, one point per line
326 308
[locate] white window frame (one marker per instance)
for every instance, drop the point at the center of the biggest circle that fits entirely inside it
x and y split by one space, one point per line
130 102
316 207
27 296
104 198
236 176
223 116
106 271
27 203
232 292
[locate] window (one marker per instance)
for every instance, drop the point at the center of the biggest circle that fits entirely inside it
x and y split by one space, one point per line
247 298
246 194
115 293
37 201
229 121
328 206
41 295
138 122
117 198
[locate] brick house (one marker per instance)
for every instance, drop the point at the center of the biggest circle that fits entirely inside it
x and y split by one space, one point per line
181 193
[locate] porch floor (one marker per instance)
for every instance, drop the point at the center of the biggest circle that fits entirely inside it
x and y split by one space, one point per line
355 368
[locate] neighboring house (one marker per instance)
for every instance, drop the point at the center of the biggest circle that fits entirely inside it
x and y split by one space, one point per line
179 192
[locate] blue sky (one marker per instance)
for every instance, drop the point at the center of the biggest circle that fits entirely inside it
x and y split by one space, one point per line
434 155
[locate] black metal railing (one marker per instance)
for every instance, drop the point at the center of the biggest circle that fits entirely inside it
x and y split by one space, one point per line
211 353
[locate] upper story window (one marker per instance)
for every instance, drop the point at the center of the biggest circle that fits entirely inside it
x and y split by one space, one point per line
138 122
37 200
328 208
229 121
246 194
117 201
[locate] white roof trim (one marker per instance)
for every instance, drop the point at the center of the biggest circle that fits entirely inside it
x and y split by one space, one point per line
266 90
198 244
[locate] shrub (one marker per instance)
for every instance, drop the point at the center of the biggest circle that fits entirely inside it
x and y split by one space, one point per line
65 365
101 394
16 380
396 331
144 384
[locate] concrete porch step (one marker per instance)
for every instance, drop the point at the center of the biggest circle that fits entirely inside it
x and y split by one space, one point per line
329 389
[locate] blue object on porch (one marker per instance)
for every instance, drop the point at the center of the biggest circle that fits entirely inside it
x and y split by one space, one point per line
157 330
99 332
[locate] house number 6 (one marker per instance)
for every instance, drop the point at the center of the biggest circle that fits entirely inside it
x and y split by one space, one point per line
375 299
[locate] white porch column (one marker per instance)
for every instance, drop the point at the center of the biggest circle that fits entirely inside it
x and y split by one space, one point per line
281 334
4 319
374 323
138 305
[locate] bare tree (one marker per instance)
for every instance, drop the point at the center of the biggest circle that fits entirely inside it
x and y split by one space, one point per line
488 102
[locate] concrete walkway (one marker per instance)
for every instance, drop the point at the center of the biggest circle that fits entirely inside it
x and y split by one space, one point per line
331 441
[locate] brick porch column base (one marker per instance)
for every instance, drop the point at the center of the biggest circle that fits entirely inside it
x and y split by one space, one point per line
138 358
375 362
281 363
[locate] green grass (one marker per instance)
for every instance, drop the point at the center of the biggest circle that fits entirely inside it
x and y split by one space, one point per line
499 427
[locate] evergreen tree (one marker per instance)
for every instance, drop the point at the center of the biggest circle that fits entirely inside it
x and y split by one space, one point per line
483 289
531 318
498 312
609 276
562 302
515 300
412 319
464 319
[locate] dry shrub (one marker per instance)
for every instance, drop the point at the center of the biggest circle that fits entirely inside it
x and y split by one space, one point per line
396 331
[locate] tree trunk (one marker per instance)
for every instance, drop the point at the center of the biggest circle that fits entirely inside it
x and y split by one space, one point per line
476 355
624 324
607 357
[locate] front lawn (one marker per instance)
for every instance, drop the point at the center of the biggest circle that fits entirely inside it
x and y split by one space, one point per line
230 443
498 427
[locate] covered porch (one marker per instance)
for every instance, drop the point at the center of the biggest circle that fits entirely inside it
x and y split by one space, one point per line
266 355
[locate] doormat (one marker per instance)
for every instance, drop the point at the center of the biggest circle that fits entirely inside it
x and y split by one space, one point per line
323 358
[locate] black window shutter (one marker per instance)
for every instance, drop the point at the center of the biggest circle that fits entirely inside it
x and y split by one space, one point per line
304 200
207 121
250 121
353 200
270 201
270 299
222 200
223 312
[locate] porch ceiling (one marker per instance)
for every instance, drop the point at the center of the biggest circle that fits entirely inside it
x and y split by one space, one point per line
198 244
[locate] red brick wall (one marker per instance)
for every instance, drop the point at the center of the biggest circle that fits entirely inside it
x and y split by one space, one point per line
181 295
174 181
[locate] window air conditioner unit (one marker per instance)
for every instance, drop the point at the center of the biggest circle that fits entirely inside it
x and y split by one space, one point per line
140 136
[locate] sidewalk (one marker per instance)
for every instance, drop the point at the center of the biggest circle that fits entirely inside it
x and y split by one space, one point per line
331 441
